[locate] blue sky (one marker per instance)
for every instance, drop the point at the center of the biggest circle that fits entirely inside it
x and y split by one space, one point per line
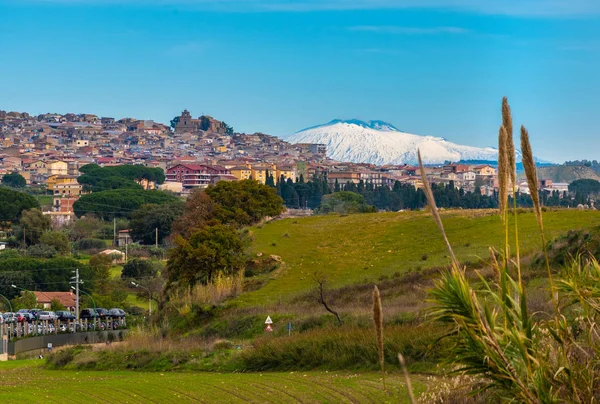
430 67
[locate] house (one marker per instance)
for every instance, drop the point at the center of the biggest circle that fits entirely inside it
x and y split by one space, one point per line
117 256
45 299
124 238
56 179
241 172
195 175
57 167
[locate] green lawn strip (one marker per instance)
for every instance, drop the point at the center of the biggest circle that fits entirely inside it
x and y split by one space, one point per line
133 387
357 248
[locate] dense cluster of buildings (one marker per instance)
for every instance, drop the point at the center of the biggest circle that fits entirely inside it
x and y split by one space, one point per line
49 149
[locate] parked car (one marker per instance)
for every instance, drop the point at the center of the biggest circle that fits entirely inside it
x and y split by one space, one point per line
47 315
23 311
102 313
9 318
65 315
28 317
116 313
35 313
88 314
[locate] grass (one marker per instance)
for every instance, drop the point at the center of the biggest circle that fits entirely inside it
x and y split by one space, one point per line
27 382
134 300
361 248
115 271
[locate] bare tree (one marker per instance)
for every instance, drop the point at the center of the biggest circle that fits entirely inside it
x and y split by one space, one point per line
320 291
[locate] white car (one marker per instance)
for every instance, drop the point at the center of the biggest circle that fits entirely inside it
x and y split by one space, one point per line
47 315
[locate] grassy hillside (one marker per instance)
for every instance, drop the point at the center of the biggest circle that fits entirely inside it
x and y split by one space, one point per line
356 248
26 382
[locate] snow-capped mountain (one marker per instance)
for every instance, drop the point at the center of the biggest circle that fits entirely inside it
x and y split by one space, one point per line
378 142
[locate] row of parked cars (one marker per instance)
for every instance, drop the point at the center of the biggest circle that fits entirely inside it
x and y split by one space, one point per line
32 315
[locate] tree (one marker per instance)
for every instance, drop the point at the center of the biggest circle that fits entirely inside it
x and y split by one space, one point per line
138 268
25 300
56 239
146 220
32 225
119 203
14 180
13 203
173 123
208 251
244 202
197 213
100 264
56 305
345 202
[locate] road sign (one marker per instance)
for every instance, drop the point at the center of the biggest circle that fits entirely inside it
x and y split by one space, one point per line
268 328
49 346
268 320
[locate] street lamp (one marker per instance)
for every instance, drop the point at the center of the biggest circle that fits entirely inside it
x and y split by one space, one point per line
137 285
8 301
24 290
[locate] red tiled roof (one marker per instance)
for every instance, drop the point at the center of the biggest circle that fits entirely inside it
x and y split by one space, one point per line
67 299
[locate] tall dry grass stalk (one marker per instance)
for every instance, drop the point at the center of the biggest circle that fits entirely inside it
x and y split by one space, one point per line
508 125
411 396
378 320
532 182
434 210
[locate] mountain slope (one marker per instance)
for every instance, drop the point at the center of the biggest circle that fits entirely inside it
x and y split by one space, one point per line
378 142
567 174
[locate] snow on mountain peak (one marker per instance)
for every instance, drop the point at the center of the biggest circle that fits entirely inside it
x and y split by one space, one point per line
379 142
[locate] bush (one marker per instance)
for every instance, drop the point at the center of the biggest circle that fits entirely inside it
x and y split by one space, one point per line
344 348
91 244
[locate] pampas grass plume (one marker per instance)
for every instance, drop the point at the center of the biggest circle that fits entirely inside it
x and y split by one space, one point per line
510 145
531 173
503 172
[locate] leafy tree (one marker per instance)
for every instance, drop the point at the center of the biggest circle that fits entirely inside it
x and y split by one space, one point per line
345 202
14 180
13 203
25 300
208 251
41 274
85 228
138 268
148 218
98 178
198 212
228 129
41 251
173 123
586 187
32 224
244 202
119 203
56 239
100 264
90 244
56 305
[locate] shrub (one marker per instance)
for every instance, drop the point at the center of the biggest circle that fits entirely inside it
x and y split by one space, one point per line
91 244
343 348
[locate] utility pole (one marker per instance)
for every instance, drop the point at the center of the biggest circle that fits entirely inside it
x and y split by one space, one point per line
114 231
24 245
76 282
157 237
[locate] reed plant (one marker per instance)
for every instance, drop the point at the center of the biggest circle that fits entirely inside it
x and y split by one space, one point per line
217 290
495 338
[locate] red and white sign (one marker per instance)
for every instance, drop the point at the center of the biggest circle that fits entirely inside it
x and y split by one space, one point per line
268 328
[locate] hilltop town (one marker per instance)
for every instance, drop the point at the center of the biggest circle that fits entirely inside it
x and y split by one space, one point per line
48 150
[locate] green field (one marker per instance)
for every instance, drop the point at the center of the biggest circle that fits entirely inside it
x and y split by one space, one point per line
361 248
26 382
